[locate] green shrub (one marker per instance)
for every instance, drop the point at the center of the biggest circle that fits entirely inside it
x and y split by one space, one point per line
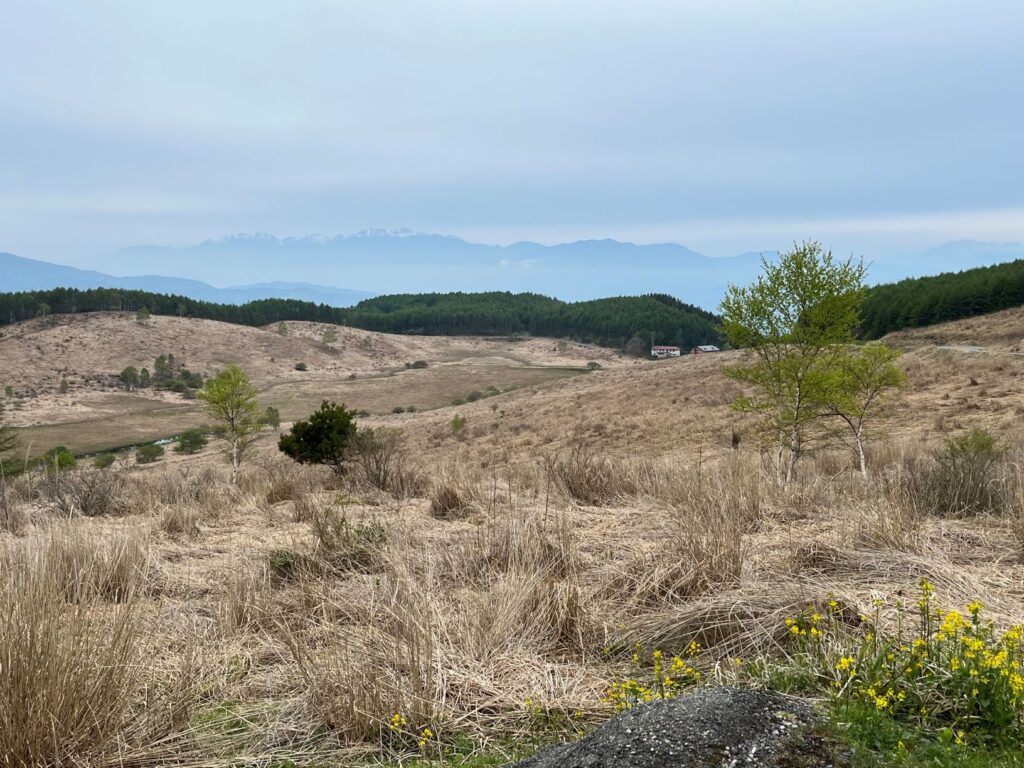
191 441
965 478
458 422
301 367
594 365
147 454
322 438
417 364
271 417
398 409
104 460
58 458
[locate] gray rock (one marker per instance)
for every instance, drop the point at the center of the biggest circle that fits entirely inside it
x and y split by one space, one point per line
713 728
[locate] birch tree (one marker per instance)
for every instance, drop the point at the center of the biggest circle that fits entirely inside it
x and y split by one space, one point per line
795 320
860 380
230 399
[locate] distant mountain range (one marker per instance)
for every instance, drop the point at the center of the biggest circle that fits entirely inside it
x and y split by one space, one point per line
21 274
401 261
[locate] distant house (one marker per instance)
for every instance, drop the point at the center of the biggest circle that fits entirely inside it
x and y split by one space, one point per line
662 351
705 348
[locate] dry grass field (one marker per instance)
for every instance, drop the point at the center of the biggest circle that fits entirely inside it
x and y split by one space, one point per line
365 370
491 582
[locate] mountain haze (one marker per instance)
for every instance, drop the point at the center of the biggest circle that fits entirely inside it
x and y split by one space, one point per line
21 274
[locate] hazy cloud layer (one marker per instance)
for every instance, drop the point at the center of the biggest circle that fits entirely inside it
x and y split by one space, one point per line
723 125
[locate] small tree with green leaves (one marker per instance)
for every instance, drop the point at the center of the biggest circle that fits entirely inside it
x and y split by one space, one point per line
190 441
8 391
330 335
142 315
147 454
796 319
129 378
322 438
64 386
229 398
860 380
145 379
271 417
282 329
58 459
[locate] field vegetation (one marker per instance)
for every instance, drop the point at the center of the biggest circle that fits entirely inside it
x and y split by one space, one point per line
462 585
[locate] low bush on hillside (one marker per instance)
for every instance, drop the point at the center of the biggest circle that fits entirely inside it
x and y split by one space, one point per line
967 476
147 454
104 460
587 478
190 441
381 462
89 493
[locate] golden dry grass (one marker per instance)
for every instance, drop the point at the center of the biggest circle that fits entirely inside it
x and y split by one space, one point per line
290 618
90 350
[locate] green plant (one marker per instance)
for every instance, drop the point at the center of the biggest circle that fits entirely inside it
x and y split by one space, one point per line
64 386
322 438
654 679
796 319
939 669
8 391
147 454
104 460
593 365
58 459
301 367
190 441
271 417
398 409
129 377
457 423
230 399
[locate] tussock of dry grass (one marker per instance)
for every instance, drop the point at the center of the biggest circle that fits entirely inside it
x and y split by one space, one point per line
311 609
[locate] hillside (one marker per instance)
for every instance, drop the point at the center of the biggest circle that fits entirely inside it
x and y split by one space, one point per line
533 546
363 368
926 301
611 322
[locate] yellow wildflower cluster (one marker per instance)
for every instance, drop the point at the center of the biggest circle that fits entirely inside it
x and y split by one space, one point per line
954 668
662 679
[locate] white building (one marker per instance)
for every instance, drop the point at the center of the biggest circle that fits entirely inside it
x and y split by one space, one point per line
662 351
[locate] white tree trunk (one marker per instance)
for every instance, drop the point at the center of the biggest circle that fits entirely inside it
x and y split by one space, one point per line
234 459
860 454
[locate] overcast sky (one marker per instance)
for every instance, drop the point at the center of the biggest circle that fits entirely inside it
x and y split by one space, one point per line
876 126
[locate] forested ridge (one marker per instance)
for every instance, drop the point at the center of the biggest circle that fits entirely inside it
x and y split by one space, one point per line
923 301
611 322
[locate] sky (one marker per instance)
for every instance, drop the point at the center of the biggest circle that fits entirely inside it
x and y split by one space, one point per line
878 127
